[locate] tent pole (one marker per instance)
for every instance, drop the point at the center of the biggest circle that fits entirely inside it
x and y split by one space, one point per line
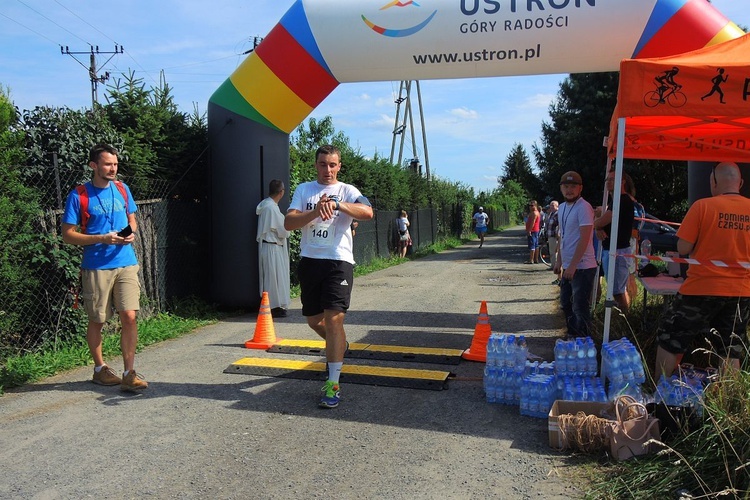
605 197
621 123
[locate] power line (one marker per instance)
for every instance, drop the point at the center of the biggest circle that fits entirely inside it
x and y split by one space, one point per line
35 32
86 22
92 69
53 22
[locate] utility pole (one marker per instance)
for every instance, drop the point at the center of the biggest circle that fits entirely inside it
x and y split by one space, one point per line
92 69
256 42
401 129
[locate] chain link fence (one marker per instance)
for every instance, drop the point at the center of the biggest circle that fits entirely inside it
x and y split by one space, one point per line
172 245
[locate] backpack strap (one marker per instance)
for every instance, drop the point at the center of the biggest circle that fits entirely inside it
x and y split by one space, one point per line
83 199
121 188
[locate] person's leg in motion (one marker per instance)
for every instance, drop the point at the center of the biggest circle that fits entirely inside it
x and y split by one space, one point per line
335 349
127 294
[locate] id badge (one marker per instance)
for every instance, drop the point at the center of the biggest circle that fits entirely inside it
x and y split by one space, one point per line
322 234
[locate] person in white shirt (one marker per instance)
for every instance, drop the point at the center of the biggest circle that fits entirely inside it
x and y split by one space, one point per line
273 252
575 256
480 220
324 210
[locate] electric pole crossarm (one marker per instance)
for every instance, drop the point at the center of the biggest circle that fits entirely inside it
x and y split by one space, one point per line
92 69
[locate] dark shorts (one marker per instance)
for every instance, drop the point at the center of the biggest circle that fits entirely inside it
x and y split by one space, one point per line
325 285
691 315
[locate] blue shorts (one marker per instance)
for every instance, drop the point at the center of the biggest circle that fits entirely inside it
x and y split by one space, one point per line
533 240
480 230
622 271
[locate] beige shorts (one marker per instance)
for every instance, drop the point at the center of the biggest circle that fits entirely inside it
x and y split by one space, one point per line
104 290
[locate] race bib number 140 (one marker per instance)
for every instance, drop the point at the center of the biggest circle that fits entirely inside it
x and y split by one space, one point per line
322 235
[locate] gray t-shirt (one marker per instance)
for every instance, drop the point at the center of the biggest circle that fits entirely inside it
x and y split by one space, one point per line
571 217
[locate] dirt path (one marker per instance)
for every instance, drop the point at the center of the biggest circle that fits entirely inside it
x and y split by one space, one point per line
200 433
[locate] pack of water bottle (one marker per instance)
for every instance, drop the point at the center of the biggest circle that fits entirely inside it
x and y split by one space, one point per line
622 363
576 358
680 390
538 393
503 385
581 389
505 368
506 350
539 368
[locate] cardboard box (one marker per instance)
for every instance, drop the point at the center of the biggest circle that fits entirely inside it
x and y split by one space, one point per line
561 407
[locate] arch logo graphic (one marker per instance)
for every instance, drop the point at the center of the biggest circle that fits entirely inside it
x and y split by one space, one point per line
398 33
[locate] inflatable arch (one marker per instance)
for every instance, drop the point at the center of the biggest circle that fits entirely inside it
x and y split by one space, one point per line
319 44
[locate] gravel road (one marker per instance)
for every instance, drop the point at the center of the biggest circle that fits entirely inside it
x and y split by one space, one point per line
201 433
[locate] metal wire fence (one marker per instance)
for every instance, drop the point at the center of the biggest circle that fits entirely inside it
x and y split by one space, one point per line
170 245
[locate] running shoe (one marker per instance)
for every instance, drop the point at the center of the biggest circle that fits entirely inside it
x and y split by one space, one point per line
331 395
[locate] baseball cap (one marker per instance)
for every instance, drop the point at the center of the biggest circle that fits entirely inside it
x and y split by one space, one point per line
481 208
571 177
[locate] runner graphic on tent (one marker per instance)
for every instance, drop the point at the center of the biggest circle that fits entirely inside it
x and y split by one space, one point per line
717 81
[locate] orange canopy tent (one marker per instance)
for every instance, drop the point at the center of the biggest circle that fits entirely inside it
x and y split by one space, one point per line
702 114
693 106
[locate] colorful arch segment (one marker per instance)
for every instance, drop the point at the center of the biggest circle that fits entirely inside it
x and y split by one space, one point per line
677 26
321 43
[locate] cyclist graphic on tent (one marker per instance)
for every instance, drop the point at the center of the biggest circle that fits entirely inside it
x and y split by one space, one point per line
717 81
667 90
666 82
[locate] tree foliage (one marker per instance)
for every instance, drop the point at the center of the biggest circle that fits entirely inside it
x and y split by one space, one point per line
573 140
517 167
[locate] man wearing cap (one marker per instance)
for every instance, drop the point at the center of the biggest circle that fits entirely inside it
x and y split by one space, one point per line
480 221
575 255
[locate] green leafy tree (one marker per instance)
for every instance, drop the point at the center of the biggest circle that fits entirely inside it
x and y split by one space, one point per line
162 143
28 256
580 120
517 167
64 135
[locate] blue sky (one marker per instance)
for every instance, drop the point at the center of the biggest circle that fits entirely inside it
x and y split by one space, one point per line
471 124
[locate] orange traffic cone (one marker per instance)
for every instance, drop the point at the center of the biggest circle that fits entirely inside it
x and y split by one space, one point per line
265 335
478 349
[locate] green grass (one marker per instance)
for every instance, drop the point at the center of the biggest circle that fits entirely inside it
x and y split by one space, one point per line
709 462
29 367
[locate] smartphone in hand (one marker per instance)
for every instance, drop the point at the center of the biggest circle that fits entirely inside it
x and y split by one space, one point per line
125 232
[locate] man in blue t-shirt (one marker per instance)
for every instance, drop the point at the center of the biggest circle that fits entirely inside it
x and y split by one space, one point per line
109 271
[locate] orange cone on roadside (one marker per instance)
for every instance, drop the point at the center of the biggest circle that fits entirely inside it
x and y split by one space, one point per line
478 349
265 335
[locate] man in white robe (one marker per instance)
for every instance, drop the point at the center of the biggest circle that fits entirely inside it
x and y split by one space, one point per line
273 251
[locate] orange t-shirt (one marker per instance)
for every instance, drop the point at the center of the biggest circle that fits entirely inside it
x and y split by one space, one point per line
720 229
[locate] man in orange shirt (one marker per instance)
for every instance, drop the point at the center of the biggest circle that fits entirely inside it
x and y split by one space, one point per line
712 297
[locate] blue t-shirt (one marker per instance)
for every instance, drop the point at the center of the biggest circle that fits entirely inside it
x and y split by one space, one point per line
107 214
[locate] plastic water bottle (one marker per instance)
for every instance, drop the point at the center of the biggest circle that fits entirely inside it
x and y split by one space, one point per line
510 351
636 363
522 351
645 251
572 360
580 357
490 383
591 363
561 354
524 399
